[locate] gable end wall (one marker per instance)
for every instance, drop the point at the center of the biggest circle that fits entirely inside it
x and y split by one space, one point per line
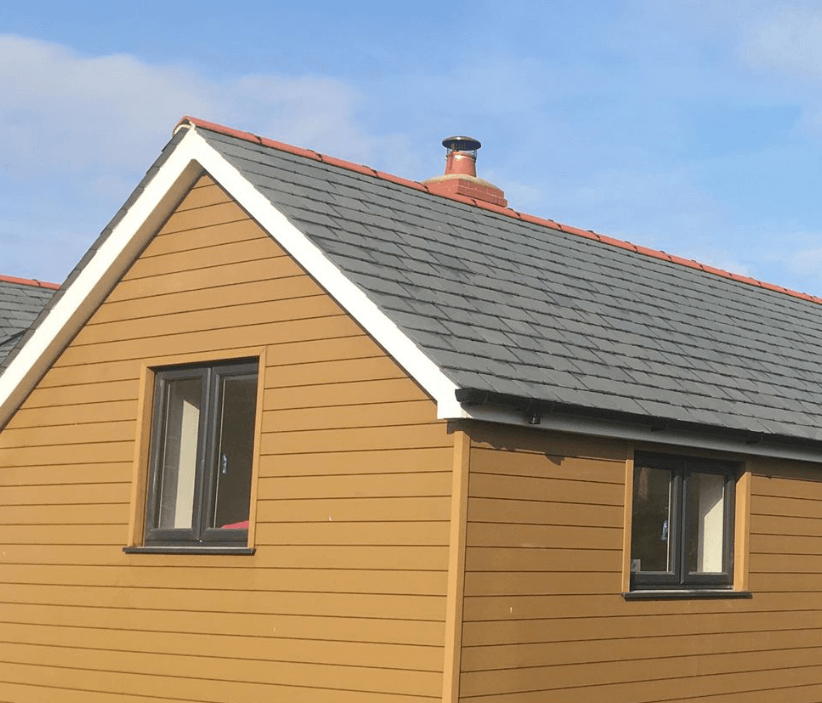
344 599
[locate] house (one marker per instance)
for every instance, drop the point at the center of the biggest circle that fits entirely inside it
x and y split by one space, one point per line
295 429
21 299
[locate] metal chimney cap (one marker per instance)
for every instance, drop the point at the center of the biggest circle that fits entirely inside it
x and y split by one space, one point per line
461 144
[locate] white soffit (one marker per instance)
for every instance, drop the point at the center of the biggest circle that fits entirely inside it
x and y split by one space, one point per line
179 172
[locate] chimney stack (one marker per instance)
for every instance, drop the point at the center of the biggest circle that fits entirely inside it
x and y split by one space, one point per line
460 176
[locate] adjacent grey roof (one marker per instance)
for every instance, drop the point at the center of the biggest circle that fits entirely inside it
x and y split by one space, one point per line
14 346
525 310
20 304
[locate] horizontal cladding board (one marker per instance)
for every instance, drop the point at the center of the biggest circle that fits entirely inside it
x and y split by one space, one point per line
616 628
399 582
116 431
335 628
523 511
268 648
347 391
762 486
415 412
787 507
202 195
253 335
781 544
98 373
81 454
384 557
717 673
195 218
205 257
495 583
369 461
544 559
91 513
65 534
786 525
357 486
515 656
203 677
542 466
788 686
765 582
101 392
45 687
545 489
348 533
552 536
62 475
795 564
207 236
354 509
356 439
223 317
331 372
207 279
82 413
355 605
549 607
513 443
242 293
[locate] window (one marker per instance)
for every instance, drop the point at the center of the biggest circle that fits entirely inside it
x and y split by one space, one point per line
202 446
683 523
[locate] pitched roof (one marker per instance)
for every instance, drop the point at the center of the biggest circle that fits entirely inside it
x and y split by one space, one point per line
539 311
498 306
21 299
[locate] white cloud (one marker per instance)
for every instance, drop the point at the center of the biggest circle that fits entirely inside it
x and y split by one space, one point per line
77 133
61 111
785 36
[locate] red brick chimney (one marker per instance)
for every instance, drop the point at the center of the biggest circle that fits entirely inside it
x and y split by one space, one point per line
461 174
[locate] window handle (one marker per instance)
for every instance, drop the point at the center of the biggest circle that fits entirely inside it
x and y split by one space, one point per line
224 465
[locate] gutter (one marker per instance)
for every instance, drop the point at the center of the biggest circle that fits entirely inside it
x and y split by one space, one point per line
481 404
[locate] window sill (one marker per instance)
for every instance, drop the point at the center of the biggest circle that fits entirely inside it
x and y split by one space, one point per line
198 549
685 594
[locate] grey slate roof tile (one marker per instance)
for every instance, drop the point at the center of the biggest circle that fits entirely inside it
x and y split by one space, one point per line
523 309
20 304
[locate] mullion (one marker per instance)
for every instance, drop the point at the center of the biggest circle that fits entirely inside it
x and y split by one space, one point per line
677 528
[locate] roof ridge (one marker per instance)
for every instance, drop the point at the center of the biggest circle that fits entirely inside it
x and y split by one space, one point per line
507 211
29 282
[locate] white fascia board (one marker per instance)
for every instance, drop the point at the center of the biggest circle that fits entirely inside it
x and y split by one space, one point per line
680 439
347 294
146 215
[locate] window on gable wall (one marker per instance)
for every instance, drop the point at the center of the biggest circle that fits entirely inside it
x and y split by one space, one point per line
682 523
202 443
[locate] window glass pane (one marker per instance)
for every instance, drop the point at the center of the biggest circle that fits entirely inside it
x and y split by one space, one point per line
178 458
705 513
235 446
650 535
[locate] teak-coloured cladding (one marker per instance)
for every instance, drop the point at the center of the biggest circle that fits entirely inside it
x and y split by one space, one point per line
344 598
396 558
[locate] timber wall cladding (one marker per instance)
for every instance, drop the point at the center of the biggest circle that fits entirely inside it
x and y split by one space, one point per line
345 598
544 620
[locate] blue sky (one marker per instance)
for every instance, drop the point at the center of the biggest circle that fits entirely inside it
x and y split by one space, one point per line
692 126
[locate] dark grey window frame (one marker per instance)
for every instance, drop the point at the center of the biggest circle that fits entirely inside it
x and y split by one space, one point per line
682 468
200 536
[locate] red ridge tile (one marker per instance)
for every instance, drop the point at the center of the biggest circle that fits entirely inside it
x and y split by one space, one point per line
29 282
509 212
